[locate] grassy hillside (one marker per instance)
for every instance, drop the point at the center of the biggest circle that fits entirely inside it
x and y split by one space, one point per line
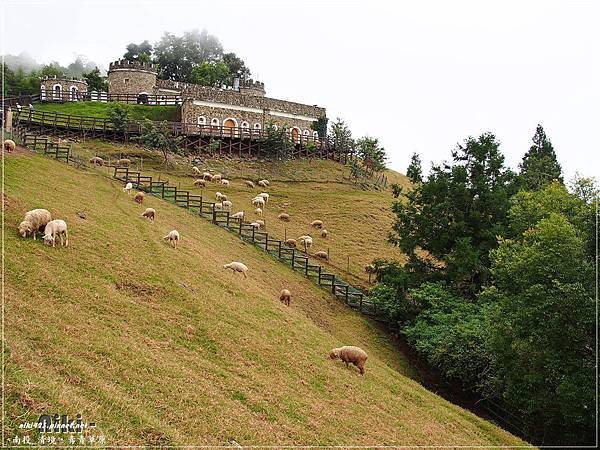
358 220
162 346
99 109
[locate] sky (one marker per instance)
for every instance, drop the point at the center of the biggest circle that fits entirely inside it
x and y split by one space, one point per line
421 76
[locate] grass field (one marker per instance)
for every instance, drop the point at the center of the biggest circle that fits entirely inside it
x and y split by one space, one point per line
162 346
99 109
357 220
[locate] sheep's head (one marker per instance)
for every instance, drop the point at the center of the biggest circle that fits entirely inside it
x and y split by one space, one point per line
48 239
25 228
335 353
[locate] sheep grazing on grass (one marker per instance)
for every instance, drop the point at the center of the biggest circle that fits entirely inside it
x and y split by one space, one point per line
149 213
285 297
370 269
139 197
56 228
217 178
291 243
227 205
237 267
258 211
238 215
196 170
307 241
321 254
265 196
350 354
324 233
225 183
219 196
263 183
284 216
259 202
128 187
172 237
207 176
199 183
97 161
218 206
261 223
123 162
249 184
34 221
255 225
9 145
317 223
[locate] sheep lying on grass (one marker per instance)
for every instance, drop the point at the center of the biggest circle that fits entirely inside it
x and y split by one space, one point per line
9 145
284 216
316 223
249 183
321 254
237 267
149 213
200 182
97 161
324 233
238 215
285 297
34 221
139 197
172 237
123 162
128 187
291 243
56 228
350 354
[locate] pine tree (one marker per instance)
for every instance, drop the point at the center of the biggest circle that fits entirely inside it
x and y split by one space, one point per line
539 166
414 172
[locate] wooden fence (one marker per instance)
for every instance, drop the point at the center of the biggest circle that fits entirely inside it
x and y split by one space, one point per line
93 96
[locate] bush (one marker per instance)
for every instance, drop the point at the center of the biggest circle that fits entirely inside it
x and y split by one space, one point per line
118 115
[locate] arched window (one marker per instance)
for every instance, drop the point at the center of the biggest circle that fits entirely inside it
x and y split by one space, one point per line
306 132
257 126
295 134
57 92
316 134
214 122
245 124
142 98
73 91
42 92
275 127
201 120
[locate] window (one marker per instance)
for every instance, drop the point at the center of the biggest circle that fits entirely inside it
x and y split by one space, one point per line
73 90
306 133
214 122
245 124
57 90
257 126
126 80
316 134
201 120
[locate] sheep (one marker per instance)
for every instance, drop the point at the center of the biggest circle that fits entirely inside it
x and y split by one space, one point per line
370 269
123 162
149 213
139 197
195 170
200 182
307 241
227 205
238 215
128 187
249 184
207 176
258 212
321 254
261 223
217 177
265 196
97 161
350 354
263 183
225 183
285 297
218 206
223 197
236 266
218 196
9 145
283 216
324 233
317 224
34 221
259 202
255 225
172 237
291 243
56 228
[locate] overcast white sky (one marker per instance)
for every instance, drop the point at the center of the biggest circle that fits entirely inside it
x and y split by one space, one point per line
420 75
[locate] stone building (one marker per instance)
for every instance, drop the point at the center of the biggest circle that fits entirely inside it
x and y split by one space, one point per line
244 106
62 89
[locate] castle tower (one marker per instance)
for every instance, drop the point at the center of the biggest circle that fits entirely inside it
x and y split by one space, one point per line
132 78
251 87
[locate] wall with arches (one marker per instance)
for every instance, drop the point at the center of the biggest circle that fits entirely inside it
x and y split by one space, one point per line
62 89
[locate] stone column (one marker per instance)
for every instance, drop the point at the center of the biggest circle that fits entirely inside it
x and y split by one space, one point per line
8 121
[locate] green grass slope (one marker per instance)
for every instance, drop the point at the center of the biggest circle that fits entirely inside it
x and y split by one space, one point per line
163 346
99 109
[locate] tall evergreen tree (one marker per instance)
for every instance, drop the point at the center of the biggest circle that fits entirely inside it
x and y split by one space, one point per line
414 171
539 166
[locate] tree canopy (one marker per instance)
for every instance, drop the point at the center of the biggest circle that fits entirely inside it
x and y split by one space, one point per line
539 166
414 171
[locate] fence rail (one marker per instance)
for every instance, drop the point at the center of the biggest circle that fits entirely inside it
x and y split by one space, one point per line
93 96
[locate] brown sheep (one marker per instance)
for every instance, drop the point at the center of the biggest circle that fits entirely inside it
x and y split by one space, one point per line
316 223
97 161
291 243
324 233
149 213
9 145
200 182
284 216
285 297
139 197
217 178
350 354
321 254
124 162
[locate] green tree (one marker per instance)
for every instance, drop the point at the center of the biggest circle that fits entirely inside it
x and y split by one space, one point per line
52 70
539 166
371 154
586 188
118 116
320 126
414 172
448 224
341 136
236 67
543 328
156 135
138 51
95 81
210 74
277 142
396 190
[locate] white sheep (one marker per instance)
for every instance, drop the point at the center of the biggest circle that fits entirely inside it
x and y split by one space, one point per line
261 223
258 211
34 221
200 182
218 206
149 213
255 224
249 183
172 237
259 202
128 187
225 183
196 170
218 196
124 162
97 161
238 215
217 177
207 176
306 240
9 145
56 228
350 354
265 196
227 205
284 216
285 297
263 183
237 266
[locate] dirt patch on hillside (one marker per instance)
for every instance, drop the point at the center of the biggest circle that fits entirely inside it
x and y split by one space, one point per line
140 290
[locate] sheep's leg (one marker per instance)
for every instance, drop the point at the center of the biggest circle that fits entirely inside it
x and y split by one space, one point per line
245 276
34 235
53 241
66 238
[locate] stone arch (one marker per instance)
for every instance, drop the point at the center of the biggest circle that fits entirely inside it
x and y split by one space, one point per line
142 98
73 93
295 134
316 134
201 120
57 92
230 126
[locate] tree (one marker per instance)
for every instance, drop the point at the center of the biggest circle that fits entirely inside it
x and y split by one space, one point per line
95 81
449 223
276 141
414 172
320 126
210 74
156 135
586 188
138 51
372 154
118 115
52 70
341 135
543 330
539 166
396 190
236 67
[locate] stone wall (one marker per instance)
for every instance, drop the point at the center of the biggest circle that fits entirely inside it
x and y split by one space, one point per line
133 82
48 89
